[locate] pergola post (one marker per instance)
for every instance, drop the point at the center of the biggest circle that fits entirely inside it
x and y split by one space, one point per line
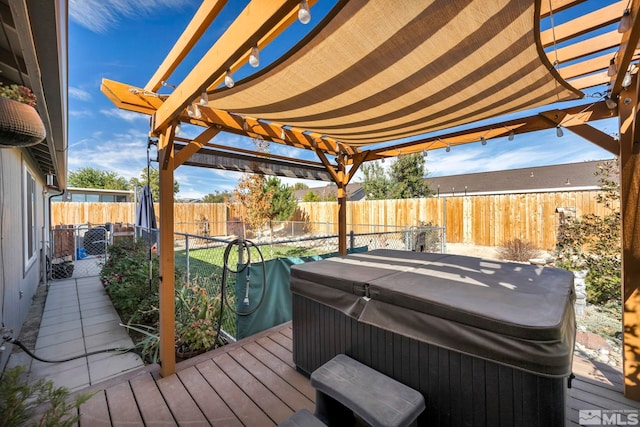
629 205
167 261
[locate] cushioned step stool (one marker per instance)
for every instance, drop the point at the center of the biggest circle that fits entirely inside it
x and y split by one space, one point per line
345 387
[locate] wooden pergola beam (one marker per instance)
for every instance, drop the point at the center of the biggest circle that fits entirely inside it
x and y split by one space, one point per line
204 16
583 24
597 111
627 49
576 123
194 145
252 24
555 6
167 261
630 214
584 48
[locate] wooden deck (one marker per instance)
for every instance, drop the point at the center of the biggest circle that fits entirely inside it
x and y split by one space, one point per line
254 383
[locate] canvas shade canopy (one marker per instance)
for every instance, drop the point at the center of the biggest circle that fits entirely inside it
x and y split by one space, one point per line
373 72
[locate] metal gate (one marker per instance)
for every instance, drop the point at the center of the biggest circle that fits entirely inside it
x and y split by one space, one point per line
77 251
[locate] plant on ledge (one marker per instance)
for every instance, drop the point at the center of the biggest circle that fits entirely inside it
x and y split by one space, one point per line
20 124
18 93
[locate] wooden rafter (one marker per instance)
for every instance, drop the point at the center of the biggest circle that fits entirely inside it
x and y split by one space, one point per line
204 16
194 145
627 48
583 24
584 48
555 6
253 23
577 124
597 111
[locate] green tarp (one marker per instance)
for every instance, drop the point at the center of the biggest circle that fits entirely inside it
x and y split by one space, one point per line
276 305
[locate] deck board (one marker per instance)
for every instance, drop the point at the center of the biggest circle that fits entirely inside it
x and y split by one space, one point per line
254 382
180 402
241 405
211 404
153 408
123 409
261 395
95 411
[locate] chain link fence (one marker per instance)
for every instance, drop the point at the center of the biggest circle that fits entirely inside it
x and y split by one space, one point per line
77 251
201 259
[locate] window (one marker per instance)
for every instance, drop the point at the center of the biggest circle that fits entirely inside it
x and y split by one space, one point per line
77 197
93 197
107 198
30 235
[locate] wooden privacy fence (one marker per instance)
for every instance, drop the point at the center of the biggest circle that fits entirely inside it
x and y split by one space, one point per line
479 220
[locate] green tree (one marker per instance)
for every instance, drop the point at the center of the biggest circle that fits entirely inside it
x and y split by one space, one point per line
299 186
283 203
217 197
310 196
593 242
97 178
407 177
154 180
376 183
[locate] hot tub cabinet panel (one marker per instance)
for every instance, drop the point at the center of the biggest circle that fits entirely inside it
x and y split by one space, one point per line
488 343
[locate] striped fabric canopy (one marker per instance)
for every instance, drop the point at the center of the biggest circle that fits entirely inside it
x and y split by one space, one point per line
382 70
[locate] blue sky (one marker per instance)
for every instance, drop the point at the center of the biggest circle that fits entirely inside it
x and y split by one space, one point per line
127 40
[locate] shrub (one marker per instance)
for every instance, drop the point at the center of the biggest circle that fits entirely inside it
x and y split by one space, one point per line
19 400
125 273
18 93
518 250
593 242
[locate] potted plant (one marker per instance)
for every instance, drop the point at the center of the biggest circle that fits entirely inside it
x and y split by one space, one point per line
20 124
197 317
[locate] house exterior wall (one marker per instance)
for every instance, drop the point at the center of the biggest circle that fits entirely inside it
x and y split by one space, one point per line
19 278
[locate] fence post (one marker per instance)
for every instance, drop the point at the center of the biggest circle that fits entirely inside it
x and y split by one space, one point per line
407 244
292 232
186 251
352 240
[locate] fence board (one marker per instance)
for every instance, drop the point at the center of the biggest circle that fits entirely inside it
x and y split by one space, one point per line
488 220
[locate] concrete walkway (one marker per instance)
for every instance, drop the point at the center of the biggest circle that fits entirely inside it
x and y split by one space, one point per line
78 318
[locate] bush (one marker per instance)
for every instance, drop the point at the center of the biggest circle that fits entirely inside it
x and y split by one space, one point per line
593 242
125 273
518 250
19 400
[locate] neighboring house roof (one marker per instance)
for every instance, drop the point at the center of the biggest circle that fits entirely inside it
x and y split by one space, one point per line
34 45
355 192
564 177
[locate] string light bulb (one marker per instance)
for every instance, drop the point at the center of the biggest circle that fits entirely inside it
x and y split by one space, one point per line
512 135
228 80
304 14
483 140
448 149
425 153
626 81
282 134
611 104
612 70
178 130
254 57
196 112
625 22
204 99
190 112
559 131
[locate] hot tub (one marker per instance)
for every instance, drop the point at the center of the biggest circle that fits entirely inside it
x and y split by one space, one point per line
488 343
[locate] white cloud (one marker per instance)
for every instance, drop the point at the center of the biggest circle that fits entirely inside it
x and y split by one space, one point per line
80 94
129 116
101 15
123 153
81 113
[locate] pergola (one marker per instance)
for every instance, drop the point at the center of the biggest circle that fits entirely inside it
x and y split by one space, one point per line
374 72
